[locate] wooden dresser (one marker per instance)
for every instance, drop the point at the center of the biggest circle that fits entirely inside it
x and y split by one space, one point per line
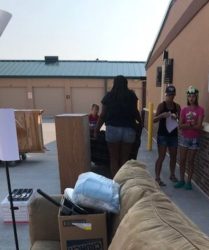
73 146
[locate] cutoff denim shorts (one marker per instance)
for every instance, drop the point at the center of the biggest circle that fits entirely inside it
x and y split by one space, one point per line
190 143
167 141
120 134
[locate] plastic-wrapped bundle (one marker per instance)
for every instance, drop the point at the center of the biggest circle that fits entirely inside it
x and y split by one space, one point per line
96 191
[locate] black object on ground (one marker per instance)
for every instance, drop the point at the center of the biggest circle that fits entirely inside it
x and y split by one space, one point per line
67 206
22 194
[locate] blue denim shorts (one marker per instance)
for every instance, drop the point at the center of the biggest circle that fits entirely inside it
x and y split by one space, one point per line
120 134
190 143
167 141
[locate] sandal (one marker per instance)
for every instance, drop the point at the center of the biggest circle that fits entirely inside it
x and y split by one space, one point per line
173 178
160 183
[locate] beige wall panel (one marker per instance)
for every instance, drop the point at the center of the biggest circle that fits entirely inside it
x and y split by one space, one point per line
13 82
83 98
48 82
175 13
190 52
136 86
97 83
51 100
13 98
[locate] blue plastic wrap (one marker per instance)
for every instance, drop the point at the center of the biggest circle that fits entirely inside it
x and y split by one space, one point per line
96 191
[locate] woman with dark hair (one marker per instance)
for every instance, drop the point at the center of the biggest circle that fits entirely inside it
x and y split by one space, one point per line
190 124
119 113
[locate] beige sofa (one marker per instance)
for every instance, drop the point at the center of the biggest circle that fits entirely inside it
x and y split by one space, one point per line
148 220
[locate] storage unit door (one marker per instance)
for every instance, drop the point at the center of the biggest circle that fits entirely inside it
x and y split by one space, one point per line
83 98
50 99
13 98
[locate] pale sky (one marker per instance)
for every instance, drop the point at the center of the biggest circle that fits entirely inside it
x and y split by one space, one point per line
81 29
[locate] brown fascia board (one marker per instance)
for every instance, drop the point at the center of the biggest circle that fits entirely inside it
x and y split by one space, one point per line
188 15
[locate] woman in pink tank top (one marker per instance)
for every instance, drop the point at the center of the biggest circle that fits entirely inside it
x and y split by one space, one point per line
190 124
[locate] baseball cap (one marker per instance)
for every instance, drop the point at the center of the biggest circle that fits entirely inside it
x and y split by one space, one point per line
192 90
170 90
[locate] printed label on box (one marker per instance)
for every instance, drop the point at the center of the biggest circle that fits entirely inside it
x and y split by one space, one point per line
82 224
70 223
91 244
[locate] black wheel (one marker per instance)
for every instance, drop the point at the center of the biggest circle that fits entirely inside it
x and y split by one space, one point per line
24 157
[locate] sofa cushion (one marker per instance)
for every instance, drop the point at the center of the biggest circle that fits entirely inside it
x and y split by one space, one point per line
46 245
154 222
135 182
43 219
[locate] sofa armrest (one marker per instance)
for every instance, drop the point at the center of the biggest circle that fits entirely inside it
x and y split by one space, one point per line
43 220
154 222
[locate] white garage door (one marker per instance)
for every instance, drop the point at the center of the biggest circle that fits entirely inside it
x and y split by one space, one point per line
13 98
83 98
51 100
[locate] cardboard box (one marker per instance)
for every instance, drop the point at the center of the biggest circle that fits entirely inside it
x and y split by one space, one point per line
22 212
83 231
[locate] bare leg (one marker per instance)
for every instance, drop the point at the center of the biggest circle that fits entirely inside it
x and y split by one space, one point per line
191 157
114 151
125 152
159 162
183 157
173 154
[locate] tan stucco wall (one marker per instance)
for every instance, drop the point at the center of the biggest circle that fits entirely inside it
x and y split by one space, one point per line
176 12
58 95
190 52
85 92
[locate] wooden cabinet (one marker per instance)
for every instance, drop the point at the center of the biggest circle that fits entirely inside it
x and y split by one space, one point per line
29 130
73 146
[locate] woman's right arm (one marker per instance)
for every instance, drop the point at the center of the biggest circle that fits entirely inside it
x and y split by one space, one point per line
100 121
138 117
